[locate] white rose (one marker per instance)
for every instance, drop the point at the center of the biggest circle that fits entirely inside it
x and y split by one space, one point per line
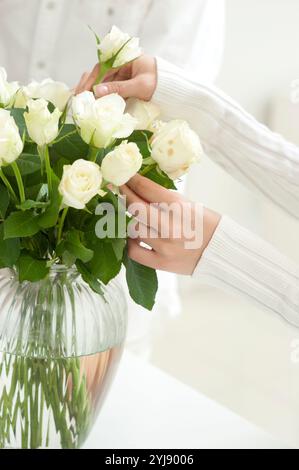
157 126
80 182
55 92
42 125
7 90
119 46
175 147
11 145
144 112
103 120
122 163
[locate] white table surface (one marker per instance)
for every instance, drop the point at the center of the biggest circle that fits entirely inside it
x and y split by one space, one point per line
147 408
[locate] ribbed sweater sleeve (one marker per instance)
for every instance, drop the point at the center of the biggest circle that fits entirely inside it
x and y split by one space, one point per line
237 260
242 263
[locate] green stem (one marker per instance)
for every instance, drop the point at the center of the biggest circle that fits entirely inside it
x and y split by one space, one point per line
148 161
103 70
45 159
61 224
8 185
147 169
48 170
18 176
92 154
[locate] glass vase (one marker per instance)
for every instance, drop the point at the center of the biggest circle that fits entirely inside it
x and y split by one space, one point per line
60 344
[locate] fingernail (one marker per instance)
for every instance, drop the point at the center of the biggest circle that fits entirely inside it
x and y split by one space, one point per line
101 90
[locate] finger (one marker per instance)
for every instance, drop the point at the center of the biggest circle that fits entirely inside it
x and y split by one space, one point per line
111 76
164 219
152 259
126 88
80 87
140 209
150 191
131 197
159 217
142 255
119 74
94 75
144 234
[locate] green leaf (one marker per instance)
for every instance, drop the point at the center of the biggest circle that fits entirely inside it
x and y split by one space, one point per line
104 264
88 277
118 245
141 139
20 224
70 145
50 217
73 245
142 283
98 40
31 269
4 201
30 148
51 107
18 115
68 259
32 192
109 197
58 165
39 244
27 163
29 204
9 250
32 181
160 178
118 216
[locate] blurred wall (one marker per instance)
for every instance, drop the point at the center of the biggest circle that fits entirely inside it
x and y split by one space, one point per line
260 64
261 60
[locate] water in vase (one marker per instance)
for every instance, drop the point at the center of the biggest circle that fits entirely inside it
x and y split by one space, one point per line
52 403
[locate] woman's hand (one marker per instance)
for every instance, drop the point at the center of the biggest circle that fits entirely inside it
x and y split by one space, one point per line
137 79
160 212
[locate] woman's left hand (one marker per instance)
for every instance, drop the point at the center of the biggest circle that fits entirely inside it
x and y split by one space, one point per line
138 79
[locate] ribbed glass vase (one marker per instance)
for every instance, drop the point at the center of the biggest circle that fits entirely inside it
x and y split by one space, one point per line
60 344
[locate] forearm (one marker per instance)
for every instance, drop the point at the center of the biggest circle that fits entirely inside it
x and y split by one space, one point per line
240 262
245 148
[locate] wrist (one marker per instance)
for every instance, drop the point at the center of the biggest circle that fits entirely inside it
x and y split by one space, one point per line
211 221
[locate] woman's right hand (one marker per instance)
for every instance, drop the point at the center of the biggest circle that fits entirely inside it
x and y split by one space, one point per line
137 79
176 232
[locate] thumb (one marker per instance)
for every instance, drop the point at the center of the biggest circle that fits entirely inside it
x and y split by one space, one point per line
126 88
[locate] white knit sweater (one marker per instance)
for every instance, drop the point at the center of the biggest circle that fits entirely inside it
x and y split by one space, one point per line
236 259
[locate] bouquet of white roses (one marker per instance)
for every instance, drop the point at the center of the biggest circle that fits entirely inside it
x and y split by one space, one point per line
55 174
